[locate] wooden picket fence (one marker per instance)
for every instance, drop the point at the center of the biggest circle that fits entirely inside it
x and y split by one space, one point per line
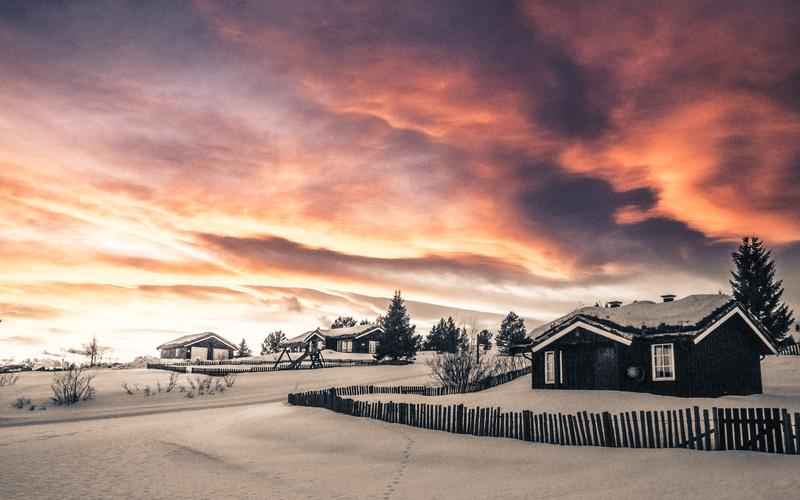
790 350
770 430
218 369
427 390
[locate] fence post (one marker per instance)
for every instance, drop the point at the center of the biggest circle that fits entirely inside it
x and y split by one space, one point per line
608 430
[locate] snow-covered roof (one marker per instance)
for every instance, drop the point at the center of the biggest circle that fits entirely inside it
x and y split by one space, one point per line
296 339
686 315
187 340
347 332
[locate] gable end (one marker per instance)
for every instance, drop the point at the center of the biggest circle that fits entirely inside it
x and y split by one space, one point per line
737 311
585 326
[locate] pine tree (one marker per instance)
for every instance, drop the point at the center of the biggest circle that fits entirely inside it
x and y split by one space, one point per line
455 337
273 342
343 322
435 339
512 332
398 339
755 287
244 351
485 339
445 336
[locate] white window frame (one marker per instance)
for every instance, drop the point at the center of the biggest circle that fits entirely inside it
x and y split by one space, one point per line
549 367
671 363
345 346
561 367
372 346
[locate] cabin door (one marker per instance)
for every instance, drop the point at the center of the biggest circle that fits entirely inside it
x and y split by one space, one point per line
605 368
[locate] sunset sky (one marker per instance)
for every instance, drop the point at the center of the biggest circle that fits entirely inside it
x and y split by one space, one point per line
175 167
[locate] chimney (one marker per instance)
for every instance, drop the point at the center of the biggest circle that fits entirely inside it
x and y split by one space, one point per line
614 303
668 297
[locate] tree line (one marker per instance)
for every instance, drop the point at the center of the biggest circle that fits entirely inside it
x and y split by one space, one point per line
753 283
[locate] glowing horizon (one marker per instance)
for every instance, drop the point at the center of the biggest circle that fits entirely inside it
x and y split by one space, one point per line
173 169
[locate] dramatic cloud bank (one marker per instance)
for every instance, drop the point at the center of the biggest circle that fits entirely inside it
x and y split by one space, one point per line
248 166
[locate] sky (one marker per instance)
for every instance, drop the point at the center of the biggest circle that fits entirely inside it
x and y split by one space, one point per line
240 167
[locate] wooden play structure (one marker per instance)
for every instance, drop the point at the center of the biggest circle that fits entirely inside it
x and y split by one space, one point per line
311 353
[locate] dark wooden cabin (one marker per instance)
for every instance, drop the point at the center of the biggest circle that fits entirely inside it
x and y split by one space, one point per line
358 339
701 345
202 346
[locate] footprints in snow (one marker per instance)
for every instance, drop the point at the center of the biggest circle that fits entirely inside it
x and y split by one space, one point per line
399 474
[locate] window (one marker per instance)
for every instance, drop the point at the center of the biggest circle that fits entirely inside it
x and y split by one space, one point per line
345 346
373 346
550 367
560 367
663 358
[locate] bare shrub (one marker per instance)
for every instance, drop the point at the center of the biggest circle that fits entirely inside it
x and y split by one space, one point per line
219 386
173 381
158 386
181 388
8 379
21 403
72 386
460 370
128 389
190 394
204 385
230 379
148 392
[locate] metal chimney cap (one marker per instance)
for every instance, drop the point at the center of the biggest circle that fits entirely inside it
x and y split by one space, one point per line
668 297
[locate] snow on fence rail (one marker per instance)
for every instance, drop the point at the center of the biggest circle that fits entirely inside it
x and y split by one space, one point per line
770 430
220 369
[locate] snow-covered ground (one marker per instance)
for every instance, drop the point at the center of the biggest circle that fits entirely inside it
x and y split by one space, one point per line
271 450
250 388
274 451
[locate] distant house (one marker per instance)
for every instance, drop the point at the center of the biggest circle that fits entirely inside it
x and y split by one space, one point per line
701 345
295 344
200 346
359 339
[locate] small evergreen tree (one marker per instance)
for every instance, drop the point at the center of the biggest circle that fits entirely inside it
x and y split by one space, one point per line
445 336
754 286
343 322
398 339
273 342
435 339
512 331
244 351
363 322
485 339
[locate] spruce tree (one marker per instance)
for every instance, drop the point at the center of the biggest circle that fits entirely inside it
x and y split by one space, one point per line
485 339
398 339
435 340
445 336
244 351
273 342
343 322
455 337
754 286
512 332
